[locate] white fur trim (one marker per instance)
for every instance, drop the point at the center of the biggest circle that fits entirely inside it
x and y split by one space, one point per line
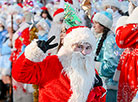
102 19
23 26
57 17
111 3
116 75
133 18
34 53
44 25
79 35
121 21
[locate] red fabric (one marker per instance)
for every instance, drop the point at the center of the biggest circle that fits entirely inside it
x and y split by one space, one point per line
44 8
127 37
54 85
23 39
20 4
97 95
69 1
74 27
29 2
96 72
60 10
92 17
25 36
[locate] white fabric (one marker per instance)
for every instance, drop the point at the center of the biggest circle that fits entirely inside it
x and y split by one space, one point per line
79 35
2 21
116 75
121 21
116 16
44 25
114 3
34 53
133 18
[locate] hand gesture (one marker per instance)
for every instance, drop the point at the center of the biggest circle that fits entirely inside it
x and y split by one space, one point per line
45 45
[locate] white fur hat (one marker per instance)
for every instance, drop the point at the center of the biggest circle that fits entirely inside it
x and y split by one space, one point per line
104 18
114 3
28 16
78 34
44 25
59 13
132 19
18 17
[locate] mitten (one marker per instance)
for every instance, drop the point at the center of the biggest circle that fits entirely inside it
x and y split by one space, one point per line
45 45
98 81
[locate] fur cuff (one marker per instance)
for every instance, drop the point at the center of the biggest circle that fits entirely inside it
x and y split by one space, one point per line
133 18
34 53
116 75
121 21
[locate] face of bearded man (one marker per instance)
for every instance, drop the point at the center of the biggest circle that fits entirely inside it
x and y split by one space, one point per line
77 58
81 73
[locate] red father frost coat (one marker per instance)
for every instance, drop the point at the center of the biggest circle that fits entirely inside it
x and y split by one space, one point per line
54 86
127 37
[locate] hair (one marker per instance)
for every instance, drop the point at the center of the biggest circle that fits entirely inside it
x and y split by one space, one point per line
100 44
48 15
121 12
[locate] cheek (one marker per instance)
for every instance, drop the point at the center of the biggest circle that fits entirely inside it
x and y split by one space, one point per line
88 51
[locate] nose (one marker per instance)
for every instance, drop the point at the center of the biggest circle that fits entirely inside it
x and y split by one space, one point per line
84 52
93 25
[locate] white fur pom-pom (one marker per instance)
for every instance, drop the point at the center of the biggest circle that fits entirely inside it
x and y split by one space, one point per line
34 53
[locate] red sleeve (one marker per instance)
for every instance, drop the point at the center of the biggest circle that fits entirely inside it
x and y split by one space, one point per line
26 71
127 36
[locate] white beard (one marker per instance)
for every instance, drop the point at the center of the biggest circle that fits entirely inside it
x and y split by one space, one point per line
81 73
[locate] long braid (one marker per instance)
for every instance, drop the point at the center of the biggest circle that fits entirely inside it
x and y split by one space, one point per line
100 44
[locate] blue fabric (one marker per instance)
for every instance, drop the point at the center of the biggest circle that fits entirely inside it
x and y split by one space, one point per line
48 22
137 95
44 37
5 55
109 57
2 36
111 95
107 14
23 48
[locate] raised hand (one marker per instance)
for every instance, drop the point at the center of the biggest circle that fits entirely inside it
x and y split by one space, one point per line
45 45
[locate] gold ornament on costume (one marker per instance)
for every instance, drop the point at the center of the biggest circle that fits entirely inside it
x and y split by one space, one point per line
33 33
32 37
36 93
86 5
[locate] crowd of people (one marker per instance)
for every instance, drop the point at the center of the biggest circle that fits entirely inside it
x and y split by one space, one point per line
69 51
